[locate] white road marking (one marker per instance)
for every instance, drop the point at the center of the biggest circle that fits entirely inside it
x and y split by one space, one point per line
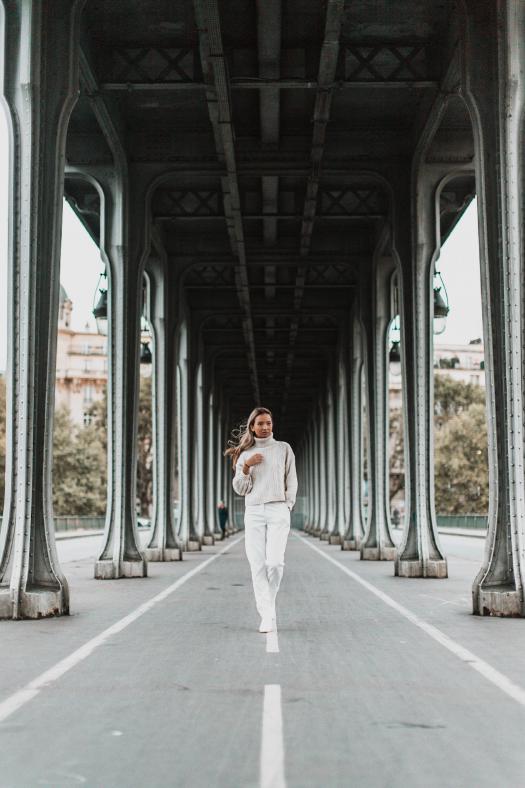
27 693
272 642
493 675
272 745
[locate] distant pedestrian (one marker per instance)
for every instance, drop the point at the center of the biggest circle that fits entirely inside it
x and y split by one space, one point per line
222 513
265 475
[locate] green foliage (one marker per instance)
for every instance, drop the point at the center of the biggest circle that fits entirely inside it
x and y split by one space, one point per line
452 397
461 463
460 448
79 457
79 468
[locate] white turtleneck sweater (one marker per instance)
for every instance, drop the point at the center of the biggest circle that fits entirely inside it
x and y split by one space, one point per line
274 479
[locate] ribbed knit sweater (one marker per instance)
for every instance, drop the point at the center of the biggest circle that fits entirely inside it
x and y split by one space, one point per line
274 479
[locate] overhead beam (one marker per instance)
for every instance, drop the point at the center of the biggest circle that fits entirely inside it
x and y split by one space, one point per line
323 104
219 109
255 83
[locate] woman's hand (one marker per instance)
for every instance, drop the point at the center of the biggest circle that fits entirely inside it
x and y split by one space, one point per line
255 459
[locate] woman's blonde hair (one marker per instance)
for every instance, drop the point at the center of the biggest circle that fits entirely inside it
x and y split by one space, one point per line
243 437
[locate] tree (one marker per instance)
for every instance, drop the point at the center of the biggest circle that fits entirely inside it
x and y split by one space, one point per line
461 474
145 449
79 468
397 453
461 463
452 397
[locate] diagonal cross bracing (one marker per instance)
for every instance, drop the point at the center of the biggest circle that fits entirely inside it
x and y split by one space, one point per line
219 108
323 105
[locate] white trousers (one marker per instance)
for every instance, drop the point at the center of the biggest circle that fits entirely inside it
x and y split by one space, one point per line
267 526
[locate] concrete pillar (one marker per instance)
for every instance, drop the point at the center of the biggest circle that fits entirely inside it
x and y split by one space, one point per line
308 480
199 477
188 537
419 554
163 544
342 432
40 85
378 544
354 532
212 458
226 476
220 463
333 533
494 89
126 251
318 482
324 509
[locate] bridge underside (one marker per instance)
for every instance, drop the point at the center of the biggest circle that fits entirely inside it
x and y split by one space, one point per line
282 176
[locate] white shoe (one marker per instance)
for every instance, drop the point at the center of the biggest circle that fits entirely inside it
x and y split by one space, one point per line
267 624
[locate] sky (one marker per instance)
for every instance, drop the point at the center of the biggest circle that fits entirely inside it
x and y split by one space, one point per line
81 266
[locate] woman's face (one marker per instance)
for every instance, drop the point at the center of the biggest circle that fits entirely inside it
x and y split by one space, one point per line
262 426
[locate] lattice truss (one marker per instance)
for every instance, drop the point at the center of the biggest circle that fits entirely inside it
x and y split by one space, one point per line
385 63
181 66
149 65
352 201
191 203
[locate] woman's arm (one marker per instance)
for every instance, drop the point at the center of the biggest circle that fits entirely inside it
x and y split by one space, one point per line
290 478
242 482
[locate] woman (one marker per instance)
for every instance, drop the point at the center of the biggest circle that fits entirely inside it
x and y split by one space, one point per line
265 475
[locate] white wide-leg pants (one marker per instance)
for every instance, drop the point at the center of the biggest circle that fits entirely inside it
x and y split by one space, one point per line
267 526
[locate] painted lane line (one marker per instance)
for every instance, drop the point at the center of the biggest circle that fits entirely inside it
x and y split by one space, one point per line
272 745
27 693
272 642
493 675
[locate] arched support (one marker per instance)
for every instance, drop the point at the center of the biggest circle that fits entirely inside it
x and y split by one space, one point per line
378 543
188 537
126 250
324 462
354 532
342 435
40 86
420 554
163 544
200 465
494 89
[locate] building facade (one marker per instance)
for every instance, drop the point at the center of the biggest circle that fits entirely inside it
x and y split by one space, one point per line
82 367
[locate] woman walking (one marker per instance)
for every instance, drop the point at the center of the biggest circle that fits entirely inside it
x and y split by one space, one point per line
265 475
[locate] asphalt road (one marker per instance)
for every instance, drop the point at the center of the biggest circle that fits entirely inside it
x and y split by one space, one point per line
371 680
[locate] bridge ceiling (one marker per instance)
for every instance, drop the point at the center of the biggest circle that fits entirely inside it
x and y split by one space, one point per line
269 121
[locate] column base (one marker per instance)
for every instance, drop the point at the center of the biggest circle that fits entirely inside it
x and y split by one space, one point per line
324 536
428 568
163 554
501 601
334 539
37 603
316 532
193 545
106 570
351 544
208 539
217 535
378 553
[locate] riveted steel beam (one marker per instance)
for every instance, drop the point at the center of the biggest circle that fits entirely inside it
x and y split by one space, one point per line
219 108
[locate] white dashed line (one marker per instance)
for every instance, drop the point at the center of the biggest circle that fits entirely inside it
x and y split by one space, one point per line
272 745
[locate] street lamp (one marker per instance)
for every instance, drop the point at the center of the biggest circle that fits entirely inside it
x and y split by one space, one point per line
145 353
100 311
394 358
441 305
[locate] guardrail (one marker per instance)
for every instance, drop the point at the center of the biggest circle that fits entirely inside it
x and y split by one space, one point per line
462 521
